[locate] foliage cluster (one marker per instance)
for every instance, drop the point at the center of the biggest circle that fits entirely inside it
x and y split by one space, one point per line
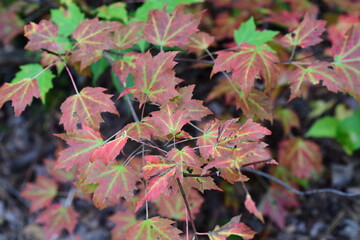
171 164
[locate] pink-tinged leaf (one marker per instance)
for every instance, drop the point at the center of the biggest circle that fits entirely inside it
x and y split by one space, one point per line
123 221
275 203
199 183
127 36
247 64
155 228
233 175
86 57
199 41
20 93
195 107
154 78
251 207
10 26
40 193
168 120
141 130
173 206
234 227
122 67
301 157
347 61
115 181
256 103
186 156
306 34
314 73
94 34
86 108
109 151
173 29
82 144
207 141
157 186
42 35
59 174
155 165
57 218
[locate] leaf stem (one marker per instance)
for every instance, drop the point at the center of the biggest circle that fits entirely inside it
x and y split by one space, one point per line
71 78
187 207
127 98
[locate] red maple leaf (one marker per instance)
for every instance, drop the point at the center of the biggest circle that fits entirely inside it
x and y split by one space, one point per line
20 93
82 144
92 38
346 61
114 181
300 156
234 227
40 193
127 35
42 35
315 73
56 218
306 34
109 151
153 229
247 64
123 221
154 78
86 108
173 29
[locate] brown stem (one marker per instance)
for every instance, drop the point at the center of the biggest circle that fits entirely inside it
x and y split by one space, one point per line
187 207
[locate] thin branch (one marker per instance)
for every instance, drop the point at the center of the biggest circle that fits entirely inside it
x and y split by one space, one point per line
70 197
217 173
127 98
71 78
224 73
177 59
254 163
187 207
292 53
294 190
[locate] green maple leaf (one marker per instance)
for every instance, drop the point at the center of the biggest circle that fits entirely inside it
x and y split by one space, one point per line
67 20
44 80
247 33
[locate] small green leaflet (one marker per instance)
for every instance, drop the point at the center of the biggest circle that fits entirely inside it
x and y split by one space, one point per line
115 11
142 12
67 19
44 80
324 127
247 33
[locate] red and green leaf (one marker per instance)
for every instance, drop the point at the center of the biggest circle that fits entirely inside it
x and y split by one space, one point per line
114 181
86 108
40 193
109 151
306 34
154 78
153 229
20 93
82 144
172 206
234 227
314 73
247 64
42 35
171 29
301 157
347 61
56 218
123 221
127 35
